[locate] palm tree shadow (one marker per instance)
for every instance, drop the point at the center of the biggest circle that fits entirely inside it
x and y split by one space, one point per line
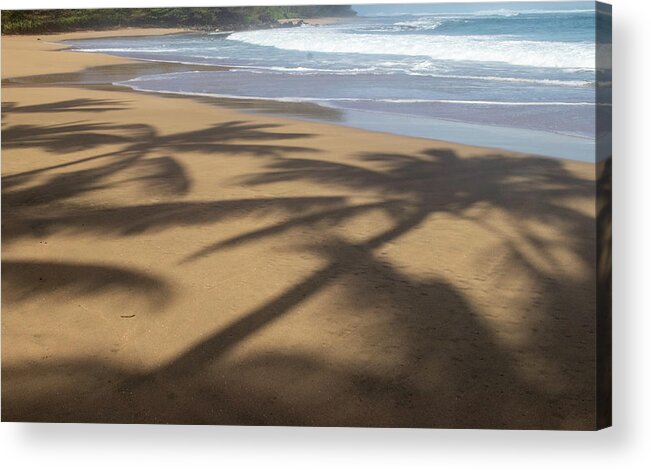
424 185
431 322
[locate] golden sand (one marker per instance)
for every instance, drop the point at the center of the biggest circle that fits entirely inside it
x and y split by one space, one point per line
171 261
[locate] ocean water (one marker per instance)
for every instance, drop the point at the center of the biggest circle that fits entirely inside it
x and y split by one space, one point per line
518 78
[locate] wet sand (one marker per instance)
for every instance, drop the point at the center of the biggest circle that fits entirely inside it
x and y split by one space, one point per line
167 260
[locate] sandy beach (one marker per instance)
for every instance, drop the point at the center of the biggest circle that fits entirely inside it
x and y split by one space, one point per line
166 260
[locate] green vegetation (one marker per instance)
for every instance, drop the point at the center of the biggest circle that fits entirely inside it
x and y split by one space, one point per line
44 21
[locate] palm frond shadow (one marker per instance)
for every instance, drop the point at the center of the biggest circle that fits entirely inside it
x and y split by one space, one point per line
24 280
67 106
425 314
139 149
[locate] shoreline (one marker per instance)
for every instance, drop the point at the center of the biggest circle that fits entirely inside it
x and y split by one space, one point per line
523 139
14 46
166 260
104 59
278 108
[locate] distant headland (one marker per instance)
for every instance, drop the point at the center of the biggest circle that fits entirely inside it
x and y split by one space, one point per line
221 18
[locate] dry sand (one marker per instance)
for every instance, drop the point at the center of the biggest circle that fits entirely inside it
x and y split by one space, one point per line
170 261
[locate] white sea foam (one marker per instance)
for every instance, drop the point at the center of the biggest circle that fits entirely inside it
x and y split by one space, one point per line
369 71
414 71
497 12
316 99
125 49
421 23
508 12
161 77
550 54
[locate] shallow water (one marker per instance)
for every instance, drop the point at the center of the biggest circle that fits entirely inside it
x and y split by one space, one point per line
518 79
